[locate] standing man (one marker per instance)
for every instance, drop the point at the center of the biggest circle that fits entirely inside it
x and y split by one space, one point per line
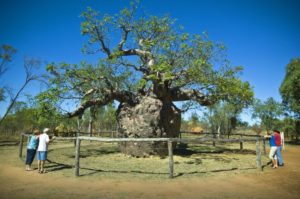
279 147
42 150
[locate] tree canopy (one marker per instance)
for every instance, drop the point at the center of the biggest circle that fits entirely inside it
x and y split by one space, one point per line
145 56
6 53
290 87
268 112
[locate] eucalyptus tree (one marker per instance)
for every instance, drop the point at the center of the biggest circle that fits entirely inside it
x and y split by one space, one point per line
6 53
146 63
290 87
268 112
223 117
290 91
30 64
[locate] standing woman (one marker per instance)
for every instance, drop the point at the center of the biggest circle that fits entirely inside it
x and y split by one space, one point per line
31 149
273 149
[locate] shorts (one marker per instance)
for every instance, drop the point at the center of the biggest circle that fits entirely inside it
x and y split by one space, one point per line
42 155
272 154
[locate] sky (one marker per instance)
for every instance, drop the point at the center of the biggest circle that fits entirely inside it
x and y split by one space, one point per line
260 35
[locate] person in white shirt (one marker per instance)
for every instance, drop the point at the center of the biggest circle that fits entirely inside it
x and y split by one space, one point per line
42 150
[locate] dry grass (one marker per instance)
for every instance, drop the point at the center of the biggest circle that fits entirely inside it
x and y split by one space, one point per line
102 160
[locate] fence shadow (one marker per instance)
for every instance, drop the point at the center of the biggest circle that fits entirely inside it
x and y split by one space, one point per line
55 166
176 175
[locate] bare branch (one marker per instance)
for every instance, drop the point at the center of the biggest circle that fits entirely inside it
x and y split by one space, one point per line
192 94
142 69
28 65
121 96
102 43
124 38
100 101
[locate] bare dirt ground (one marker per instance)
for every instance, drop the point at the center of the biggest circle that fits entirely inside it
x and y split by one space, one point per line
283 182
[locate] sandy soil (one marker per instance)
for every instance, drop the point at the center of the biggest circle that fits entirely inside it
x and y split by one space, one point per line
283 182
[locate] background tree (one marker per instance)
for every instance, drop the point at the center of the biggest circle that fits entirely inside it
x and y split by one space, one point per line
6 53
103 117
151 66
290 87
268 112
290 91
193 124
223 117
30 65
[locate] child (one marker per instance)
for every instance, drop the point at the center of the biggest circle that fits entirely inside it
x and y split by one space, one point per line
31 149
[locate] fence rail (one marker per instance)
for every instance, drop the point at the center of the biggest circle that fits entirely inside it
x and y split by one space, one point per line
259 141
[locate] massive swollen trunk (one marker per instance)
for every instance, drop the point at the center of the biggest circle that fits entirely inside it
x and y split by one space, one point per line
151 118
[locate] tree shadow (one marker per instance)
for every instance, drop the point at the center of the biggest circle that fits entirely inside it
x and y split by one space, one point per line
185 151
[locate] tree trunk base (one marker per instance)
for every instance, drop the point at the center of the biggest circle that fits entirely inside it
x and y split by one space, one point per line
151 118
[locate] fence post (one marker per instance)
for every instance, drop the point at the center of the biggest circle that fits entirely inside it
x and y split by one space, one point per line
21 145
77 156
264 147
171 164
258 155
214 143
241 145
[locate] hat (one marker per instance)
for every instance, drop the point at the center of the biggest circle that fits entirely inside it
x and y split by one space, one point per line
46 130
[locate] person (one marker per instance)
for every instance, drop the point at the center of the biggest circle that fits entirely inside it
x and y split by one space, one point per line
273 149
44 140
31 149
278 142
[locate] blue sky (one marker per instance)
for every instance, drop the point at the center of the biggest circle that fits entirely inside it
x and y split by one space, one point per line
261 35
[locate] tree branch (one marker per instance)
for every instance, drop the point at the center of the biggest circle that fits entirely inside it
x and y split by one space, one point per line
124 38
28 65
121 96
83 106
192 94
103 46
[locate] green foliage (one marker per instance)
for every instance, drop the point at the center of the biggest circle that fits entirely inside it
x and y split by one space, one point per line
193 124
152 55
290 87
103 118
223 117
21 118
268 112
6 53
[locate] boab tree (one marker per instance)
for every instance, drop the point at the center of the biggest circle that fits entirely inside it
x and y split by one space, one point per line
151 66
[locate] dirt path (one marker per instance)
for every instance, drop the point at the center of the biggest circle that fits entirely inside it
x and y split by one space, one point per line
280 183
